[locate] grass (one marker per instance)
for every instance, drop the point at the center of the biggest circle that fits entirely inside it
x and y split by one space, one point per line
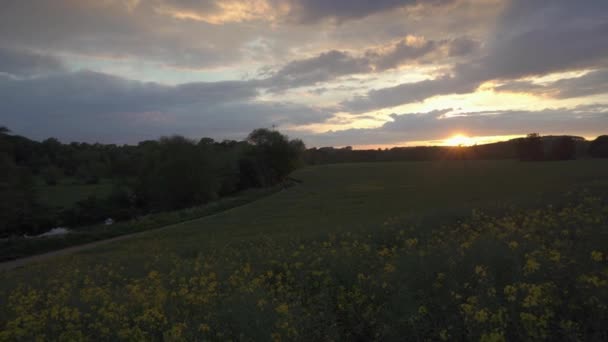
361 251
19 247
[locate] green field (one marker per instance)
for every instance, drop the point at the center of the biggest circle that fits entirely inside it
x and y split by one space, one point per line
68 192
293 261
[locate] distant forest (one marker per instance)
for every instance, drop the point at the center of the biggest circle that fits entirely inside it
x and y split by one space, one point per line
531 148
157 175
175 172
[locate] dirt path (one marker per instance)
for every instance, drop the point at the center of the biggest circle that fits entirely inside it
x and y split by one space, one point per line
12 264
21 262
17 263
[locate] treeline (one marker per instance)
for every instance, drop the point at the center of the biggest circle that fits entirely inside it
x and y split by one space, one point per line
156 175
531 148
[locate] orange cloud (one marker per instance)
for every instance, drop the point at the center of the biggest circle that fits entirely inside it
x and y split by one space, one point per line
228 11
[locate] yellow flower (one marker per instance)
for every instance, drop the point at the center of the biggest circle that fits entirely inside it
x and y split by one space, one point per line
423 310
388 268
384 252
533 297
466 308
411 242
527 317
481 315
480 271
531 265
510 292
282 308
597 256
513 244
204 327
493 337
554 256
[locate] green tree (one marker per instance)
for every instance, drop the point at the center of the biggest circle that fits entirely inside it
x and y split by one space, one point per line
177 174
276 155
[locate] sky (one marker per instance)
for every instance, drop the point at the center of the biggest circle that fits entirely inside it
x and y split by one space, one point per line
333 73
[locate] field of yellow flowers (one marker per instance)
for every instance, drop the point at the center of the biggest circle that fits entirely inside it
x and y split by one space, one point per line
537 274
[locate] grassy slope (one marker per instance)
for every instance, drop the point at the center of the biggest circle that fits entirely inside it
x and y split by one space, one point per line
265 233
15 248
356 196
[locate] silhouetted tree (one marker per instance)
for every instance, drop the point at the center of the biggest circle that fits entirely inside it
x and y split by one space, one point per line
177 174
17 200
530 148
599 147
276 155
563 148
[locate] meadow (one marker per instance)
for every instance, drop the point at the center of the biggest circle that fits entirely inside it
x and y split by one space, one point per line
476 250
68 192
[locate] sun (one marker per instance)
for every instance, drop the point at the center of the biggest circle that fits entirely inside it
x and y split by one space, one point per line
459 140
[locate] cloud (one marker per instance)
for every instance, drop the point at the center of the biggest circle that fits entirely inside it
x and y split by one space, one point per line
91 106
408 93
332 64
310 71
304 43
462 46
592 83
519 48
437 125
219 12
87 91
23 63
408 49
310 11
116 30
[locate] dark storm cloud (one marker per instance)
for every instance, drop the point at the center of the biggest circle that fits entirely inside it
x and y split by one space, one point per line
18 62
436 125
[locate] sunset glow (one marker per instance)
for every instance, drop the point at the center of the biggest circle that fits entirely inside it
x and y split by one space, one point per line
332 73
459 140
